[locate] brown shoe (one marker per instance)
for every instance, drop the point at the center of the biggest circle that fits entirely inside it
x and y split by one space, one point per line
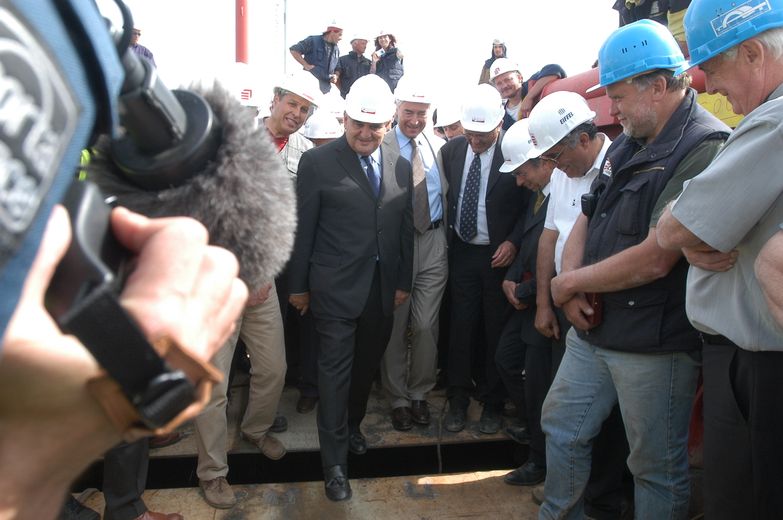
306 403
218 493
271 447
167 439
401 419
152 515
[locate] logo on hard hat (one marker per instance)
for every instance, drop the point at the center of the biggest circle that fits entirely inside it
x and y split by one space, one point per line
478 119
496 71
561 112
566 117
739 15
533 139
367 111
246 94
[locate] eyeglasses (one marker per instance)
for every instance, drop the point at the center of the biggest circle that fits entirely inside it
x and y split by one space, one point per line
554 157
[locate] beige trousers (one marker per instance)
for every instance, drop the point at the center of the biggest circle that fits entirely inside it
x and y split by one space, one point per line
261 328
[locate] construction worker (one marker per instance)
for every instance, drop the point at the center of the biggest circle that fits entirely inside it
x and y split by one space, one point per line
631 343
319 55
722 221
520 96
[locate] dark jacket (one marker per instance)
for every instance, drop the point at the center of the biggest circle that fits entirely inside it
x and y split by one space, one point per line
351 67
389 67
505 201
649 318
317 52
344 231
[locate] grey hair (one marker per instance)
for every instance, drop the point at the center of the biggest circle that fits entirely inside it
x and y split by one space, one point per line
673 83
772 40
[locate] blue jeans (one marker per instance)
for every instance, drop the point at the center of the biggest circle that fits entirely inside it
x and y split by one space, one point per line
655 393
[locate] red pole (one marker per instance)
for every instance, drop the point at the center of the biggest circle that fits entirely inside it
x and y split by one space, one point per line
241 51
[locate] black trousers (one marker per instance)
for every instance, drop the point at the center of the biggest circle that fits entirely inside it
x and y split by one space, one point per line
476 293
349 354
301 341
527 392
124 480
743 433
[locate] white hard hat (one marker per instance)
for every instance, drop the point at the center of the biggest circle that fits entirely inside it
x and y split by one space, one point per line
322 125
515 146
449 112
241 80
370 100
333 103
360 36
409 89
554 117
303 84
501 66
483 109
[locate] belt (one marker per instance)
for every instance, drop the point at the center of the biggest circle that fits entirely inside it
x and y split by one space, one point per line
436 224
716 339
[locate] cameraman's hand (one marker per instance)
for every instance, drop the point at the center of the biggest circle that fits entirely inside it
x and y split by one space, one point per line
180 287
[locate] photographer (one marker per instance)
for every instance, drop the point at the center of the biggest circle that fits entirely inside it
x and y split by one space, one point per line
58 410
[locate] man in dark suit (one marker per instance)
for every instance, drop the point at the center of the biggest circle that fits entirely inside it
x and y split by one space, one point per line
485 227
352 265
522 347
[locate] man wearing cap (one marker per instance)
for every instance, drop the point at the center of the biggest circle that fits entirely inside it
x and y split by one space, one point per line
352 265
524 355
319 54
722 221
498 51
261 329
520 96
631 343
407 384
485 211
353 65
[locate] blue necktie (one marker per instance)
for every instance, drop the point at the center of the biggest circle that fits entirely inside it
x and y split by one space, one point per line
468 216
372 176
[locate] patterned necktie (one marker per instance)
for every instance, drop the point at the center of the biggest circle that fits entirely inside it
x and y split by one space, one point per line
539 202
372 176
421 203
469 213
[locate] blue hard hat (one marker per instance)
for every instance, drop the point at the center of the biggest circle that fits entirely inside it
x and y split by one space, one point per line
712 26
637 48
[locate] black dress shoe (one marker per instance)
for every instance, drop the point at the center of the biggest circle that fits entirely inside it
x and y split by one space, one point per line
279 425
401 419
357 444
336 483
518 434
491 420
306 403
528 474
455 418
420 412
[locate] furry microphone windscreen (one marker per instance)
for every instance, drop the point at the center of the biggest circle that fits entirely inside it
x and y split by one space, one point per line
244 197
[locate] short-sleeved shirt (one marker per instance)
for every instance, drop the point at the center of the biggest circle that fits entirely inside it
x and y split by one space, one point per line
565 201
737 203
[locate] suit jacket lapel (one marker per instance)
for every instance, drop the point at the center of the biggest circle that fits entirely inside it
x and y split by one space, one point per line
535 218
389 155
350 162
497 160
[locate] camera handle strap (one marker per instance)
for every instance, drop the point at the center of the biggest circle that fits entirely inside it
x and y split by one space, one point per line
104 327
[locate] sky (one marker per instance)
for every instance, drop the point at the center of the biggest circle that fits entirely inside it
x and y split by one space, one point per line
444 43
